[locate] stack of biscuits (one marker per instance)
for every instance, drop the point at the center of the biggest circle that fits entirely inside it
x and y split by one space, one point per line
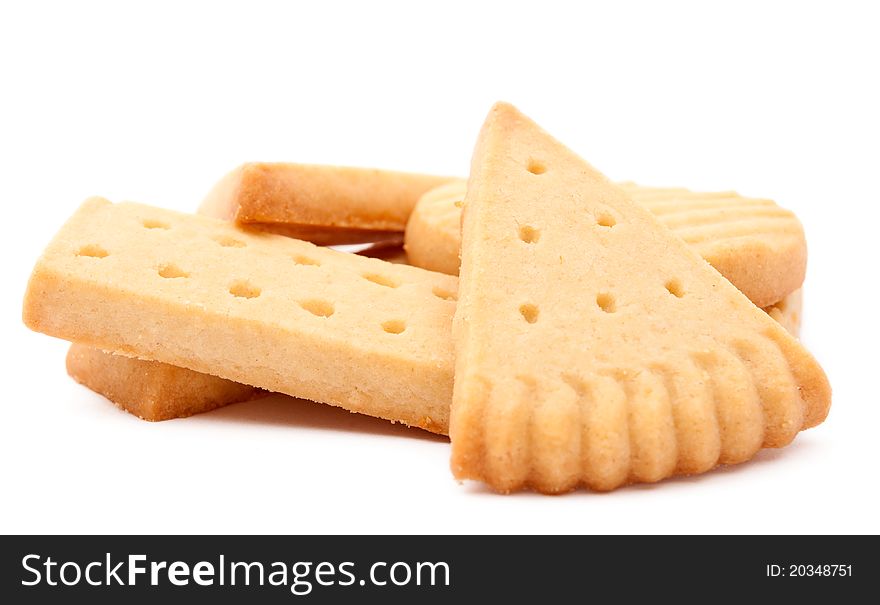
562 329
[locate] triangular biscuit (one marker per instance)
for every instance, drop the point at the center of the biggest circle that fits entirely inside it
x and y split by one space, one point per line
593 345
758 246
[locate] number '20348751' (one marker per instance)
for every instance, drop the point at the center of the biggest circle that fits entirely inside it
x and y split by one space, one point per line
807 571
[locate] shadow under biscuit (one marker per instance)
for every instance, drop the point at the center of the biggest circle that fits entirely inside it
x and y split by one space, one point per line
281 410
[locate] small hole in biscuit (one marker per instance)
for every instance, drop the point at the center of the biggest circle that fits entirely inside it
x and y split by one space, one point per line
154 224
536 167
394 326
92 250
321 308
243 289
444 294
458 203
305 260
674 287
605 219
381 280
529 235
529 313
229 242
606 302
170 270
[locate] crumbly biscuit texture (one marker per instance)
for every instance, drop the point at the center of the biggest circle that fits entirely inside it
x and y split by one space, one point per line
323 204
757 245
260 309
595 347
152 390
157 391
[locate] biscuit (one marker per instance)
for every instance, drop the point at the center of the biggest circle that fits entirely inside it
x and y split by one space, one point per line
157 391
322 204
433 233
151 390
788 311
593 346
260 309
757 245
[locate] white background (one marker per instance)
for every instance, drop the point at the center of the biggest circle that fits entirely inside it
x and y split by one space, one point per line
154 103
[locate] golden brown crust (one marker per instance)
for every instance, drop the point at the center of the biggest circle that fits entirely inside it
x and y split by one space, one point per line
328 236
348 200
151 390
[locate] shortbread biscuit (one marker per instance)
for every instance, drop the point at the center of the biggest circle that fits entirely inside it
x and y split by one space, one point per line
757 245
433 233
788 311
322 204
260 309
158 391
593 345
152 390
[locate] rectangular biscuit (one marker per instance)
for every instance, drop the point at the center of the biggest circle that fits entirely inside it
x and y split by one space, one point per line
260 309
595 347
152 390
323 204
156 391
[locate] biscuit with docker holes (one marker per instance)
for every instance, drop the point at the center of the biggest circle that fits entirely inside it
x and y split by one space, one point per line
322 204
757 245
158 391
593 345
155 391
152 390
261 309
